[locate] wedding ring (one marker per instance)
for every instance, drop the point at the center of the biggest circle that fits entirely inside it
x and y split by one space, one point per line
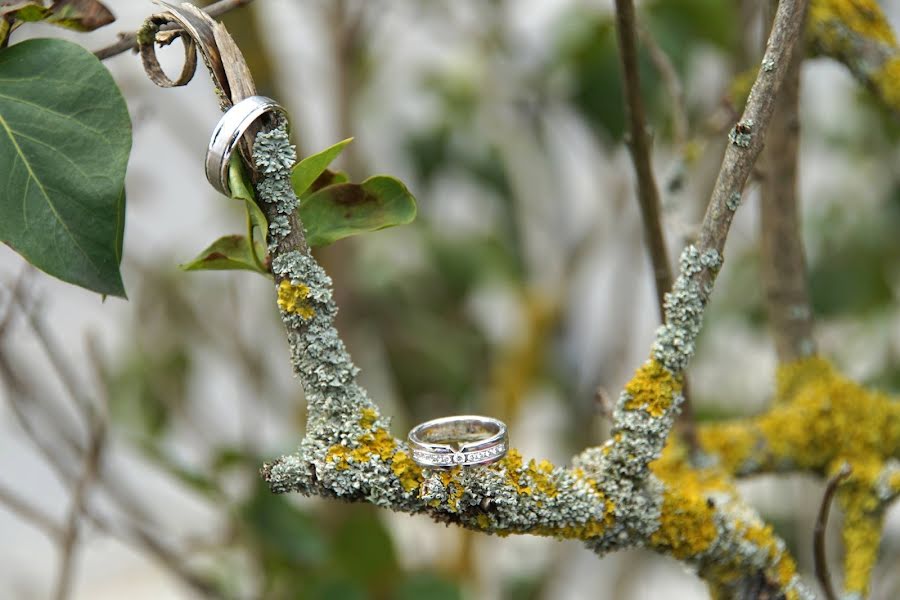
228 133
466 440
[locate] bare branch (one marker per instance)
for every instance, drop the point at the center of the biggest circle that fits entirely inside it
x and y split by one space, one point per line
128 41
672 83
29 513
819 553
639 145
69 540
783 260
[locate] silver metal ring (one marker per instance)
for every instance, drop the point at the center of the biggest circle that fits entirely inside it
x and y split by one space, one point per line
228 133
466 440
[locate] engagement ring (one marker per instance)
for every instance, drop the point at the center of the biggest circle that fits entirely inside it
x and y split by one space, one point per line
466 441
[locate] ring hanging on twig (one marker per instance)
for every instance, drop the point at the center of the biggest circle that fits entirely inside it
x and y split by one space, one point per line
466 440
228 133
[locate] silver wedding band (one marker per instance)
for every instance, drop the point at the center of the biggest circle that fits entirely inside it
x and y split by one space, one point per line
228 133
466 440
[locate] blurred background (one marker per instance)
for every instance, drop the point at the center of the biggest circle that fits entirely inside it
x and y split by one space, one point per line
521 289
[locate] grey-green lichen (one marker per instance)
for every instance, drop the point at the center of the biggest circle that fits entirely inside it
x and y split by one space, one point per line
674 345
274 156
741 134
734 201
768 64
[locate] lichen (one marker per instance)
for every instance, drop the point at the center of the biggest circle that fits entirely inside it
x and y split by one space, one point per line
274 157
857 33
292 299
653 389
674 344
734 201
742 134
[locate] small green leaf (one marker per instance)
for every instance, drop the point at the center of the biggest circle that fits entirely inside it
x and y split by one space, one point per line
65 136
232 252
80 15
310 168
257 226
346 209
237 179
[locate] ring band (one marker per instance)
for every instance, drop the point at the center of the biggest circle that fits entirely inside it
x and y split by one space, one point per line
228 133
466 440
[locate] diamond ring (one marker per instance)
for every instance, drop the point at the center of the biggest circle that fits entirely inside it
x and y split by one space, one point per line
466 440
228 133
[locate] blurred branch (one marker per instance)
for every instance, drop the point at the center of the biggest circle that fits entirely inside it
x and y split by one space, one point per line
128 41
859 35
781 241
30 514
672 83
69 539
819 552
639 145
647 191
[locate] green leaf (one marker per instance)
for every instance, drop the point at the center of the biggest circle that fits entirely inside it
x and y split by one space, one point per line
346 209
257 226
80 15
65 136
310 168
232 252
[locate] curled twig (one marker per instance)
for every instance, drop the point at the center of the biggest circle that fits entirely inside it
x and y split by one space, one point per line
819 554
128 41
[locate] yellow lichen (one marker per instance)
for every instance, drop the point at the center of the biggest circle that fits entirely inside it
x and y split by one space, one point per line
733 443
652 388
686 524
292 299
857 33
822 420
408 472
887 82
862 535
369 416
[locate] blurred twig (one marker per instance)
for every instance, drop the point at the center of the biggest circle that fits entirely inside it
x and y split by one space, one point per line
819 554
673 86
647 191
783 261
68 541
29 513
128 41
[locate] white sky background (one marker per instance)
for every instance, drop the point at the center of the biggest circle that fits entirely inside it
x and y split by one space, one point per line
169 218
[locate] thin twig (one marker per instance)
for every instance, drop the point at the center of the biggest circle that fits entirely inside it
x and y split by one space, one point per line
128 41
783 261
639 145
673 86
648 193
29 513
79 498
819 554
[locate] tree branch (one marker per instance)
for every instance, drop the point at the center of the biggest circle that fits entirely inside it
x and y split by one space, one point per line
639 145
30 514
647 191
781 241
609 498
819 552
128 41
69 539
